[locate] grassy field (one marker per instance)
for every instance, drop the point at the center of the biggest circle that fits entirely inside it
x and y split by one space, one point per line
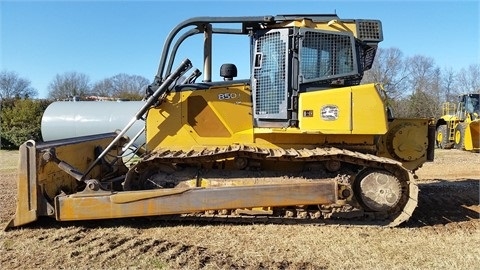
444 233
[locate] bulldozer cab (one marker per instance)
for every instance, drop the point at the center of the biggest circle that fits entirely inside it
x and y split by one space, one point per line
469 106
289 54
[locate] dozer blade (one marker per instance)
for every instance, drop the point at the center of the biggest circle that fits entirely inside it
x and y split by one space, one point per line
472 136
40 180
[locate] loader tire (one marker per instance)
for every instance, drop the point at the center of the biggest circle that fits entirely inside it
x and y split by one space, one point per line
442 136
460 136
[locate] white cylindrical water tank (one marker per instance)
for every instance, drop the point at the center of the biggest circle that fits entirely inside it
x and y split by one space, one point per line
66 119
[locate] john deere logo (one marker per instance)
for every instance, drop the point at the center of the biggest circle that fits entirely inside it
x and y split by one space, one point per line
329 112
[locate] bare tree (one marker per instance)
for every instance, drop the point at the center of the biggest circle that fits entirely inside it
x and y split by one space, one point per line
425 82
103 88
68 85
390 70
449 85
13 86
122 86
469 79
415 86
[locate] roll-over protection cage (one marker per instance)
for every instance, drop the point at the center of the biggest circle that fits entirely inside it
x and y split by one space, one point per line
285 59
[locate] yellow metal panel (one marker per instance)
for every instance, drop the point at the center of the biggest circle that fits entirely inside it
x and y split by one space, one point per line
232 107
220 115
369 111
203 119
164 124
472 136
350 110
231 104
333 25
327 111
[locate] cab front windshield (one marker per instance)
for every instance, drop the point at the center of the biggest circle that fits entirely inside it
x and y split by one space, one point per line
472 104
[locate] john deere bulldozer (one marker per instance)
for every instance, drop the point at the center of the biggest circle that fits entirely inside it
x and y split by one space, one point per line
459 126
298 139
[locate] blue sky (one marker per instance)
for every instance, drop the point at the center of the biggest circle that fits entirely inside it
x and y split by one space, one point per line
40 39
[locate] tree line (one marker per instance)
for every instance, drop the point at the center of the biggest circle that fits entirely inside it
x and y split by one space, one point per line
415 85
75 84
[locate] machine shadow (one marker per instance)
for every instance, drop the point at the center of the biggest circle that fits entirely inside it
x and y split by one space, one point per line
443 202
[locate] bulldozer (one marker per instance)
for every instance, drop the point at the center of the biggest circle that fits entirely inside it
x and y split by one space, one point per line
300 138
459 125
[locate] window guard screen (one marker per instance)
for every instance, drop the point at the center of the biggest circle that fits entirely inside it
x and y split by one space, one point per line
270 62
326 55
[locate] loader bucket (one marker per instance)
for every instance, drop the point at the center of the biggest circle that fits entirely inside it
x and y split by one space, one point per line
42 173
472 136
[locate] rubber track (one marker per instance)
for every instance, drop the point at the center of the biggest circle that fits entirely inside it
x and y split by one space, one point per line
210 154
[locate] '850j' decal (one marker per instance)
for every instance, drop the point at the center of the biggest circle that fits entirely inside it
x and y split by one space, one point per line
227 96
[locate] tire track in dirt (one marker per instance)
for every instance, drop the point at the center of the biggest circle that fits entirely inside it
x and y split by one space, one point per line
443 202
116 246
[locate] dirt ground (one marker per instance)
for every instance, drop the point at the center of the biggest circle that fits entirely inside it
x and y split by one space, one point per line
443 233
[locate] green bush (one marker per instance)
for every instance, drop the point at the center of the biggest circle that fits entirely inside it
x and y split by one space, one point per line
21 119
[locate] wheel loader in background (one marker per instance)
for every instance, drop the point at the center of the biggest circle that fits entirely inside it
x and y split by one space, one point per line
459 126
299 139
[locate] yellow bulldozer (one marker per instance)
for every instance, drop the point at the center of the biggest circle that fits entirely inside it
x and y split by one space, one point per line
299 138
459 126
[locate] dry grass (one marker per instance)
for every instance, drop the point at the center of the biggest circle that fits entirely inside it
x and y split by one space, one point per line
241 247
8 161
445 234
